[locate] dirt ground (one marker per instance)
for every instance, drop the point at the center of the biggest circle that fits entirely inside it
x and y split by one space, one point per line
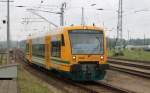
127 81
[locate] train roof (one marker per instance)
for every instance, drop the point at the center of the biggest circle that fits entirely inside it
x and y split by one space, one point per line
82 27
60 30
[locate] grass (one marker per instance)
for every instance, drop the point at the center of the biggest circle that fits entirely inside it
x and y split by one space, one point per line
29 83
2 59
133 55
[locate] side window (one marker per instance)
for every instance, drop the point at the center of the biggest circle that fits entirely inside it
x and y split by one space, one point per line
62 40
38 50
27 47
56 48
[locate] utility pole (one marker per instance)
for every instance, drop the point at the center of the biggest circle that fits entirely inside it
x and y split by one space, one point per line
128 37
144 40
8 31
128 34
119 40
82 18
62 14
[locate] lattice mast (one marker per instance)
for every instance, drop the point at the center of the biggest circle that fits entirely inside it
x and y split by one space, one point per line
119 39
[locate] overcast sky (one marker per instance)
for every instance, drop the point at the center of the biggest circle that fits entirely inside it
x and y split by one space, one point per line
136 16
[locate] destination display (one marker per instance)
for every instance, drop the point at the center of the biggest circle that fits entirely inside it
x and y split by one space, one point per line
87 31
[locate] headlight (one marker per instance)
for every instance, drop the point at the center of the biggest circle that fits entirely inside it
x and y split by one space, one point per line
74 57
102 57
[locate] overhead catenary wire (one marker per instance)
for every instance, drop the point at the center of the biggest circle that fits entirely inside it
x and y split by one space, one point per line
43 18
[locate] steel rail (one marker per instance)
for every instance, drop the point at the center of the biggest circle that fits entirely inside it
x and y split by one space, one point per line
130 67
131 60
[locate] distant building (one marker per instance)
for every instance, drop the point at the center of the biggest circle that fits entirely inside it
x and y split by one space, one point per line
138 47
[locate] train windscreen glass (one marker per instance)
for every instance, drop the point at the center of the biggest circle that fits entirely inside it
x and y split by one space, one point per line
87 41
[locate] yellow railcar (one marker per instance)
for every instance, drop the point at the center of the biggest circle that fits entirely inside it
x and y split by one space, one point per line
77 52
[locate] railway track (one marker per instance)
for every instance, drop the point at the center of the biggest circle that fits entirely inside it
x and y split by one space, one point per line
137 61
80 87
102 87
137 68
69 86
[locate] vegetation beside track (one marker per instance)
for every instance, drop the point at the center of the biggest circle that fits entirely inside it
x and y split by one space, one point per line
29 83
2 59
132 55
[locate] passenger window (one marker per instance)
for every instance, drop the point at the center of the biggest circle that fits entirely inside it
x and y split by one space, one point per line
56 48
38 50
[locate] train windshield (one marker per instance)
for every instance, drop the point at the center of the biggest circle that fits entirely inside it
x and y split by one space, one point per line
87 42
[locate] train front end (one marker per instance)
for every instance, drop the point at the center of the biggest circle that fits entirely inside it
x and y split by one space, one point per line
88 53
